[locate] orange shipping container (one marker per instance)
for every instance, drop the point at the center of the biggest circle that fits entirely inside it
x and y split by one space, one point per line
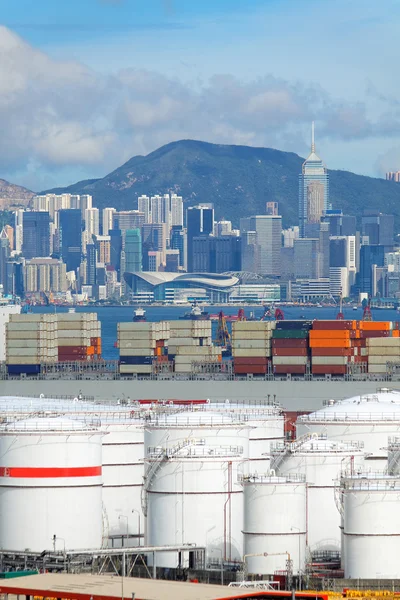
330 334
331 343
376 325
90 350
396 333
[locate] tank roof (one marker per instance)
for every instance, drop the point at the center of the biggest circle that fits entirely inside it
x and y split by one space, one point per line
371 407
57 424
315 443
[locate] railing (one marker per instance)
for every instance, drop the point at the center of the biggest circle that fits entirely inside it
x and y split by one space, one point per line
197 451
48 425
178 420
349 417
272 478
317 445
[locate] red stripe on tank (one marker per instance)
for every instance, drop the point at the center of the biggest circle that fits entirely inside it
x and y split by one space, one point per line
49 472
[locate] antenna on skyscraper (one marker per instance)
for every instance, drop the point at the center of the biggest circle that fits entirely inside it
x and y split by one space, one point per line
312 137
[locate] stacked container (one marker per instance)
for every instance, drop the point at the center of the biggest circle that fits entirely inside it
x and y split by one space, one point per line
30 340
290 347
331 346
190 341
251 346
140 344
79 336
382 350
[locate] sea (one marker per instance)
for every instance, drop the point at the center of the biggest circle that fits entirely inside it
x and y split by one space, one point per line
109 316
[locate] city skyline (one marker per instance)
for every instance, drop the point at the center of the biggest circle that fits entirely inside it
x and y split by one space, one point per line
81 94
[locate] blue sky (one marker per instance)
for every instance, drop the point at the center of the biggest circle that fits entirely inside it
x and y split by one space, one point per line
87 84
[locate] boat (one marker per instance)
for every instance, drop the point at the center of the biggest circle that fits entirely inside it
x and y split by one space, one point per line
195 314
139 315
355 307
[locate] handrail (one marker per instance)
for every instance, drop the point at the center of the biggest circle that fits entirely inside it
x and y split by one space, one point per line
349 417
274 479
196 450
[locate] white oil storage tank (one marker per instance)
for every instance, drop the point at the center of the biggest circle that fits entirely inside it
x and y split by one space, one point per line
267 427
274 523
371 419
123 471
321 461
192 498
168 429
371 515
50 485
393 466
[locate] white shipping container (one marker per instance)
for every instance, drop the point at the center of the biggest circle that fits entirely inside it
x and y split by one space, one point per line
381 360
27 343
251 344
290 360
174 341
331 360
29 327
24 360
384 351
137 352
25 335
198 351
134 369
252 326
383 341
136 344
138 335
74 326
250 352
145 326
376 368
33 318
189 323
252 335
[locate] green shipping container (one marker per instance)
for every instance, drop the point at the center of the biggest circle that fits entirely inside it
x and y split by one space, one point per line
287 334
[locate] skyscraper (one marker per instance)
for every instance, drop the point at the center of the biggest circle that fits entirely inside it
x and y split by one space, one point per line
133 251
107 218
70 231
36 234
200 221
313 189
176 210
144 207
269 241
178 242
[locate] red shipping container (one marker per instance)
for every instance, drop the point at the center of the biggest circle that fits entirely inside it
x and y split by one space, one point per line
332 351
290 343
257 360
321 325
290 351
290 369
329 369
72 349
374 333
250 370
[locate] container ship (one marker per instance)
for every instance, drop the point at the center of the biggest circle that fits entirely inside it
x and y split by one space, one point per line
301 363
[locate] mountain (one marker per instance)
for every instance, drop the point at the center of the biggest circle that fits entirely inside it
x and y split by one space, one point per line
13 196
238 179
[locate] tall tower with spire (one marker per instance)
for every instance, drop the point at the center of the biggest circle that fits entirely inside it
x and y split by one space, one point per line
313 190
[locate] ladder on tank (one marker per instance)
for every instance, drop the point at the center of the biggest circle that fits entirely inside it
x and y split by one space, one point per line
291 447
160 459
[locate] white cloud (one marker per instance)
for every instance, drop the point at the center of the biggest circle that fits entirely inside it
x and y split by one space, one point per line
56 114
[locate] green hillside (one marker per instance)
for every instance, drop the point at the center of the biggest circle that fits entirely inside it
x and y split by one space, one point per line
238 179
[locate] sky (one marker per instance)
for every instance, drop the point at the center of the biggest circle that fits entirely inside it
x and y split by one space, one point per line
87 84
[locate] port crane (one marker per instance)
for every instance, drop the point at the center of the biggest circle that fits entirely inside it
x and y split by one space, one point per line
367 314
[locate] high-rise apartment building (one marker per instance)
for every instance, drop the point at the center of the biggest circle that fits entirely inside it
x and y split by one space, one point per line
107 219
144 206
86 202
92 225
393 176
128 219
313 189
35 234
70 232
176 204
45 275
223 228
19 216
91 262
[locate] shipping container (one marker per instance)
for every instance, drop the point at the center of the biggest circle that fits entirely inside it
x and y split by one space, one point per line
328 369
290 352
290 334
135 369
332 343
296 325
290 343
289 369
136 360
137 352
383 351
290 360
386 342
375 325
333 351
249 352
251 335
374 334
28 369
250 369
251 344
331 334
330 360
249 361
331 325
